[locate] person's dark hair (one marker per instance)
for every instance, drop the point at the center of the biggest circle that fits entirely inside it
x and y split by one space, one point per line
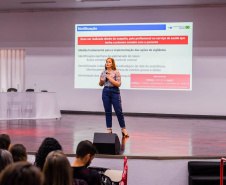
21 173
48 145
18 152
57 169
4 141
84 148
5 159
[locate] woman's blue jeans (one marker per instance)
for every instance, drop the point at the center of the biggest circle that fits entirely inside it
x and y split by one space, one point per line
111 96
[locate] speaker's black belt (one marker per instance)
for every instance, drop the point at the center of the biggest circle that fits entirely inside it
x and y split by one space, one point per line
111 87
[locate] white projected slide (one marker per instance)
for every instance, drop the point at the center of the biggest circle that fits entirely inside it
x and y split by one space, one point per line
150 56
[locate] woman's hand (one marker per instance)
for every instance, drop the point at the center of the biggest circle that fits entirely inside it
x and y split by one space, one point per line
108 76
114 82
101 79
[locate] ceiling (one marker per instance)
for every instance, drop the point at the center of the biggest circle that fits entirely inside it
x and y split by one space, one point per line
21 5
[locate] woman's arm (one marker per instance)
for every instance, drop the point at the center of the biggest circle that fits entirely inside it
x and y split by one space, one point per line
101 83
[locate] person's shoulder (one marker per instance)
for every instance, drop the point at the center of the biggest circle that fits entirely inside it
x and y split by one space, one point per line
76 168
95 176
93 171
84 168
117 72
103 72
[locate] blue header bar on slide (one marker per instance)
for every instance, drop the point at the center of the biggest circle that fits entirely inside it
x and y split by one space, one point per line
122 27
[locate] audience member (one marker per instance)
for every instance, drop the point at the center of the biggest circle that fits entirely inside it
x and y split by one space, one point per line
4 141
21 173
5 159
18 152
57 169
47 146
85 153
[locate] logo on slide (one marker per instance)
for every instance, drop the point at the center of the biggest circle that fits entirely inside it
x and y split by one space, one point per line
187 27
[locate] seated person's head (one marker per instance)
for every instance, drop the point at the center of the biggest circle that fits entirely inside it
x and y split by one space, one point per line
4 141
47 146
86 151
18 152
21 173
5 159
57 169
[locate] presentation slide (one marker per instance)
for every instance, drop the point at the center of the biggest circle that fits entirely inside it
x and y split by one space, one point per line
149 56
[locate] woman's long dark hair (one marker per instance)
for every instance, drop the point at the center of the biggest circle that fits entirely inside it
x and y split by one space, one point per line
48 145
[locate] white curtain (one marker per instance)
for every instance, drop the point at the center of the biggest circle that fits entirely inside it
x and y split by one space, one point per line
12 69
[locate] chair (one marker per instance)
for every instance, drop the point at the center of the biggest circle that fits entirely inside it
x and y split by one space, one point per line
113 177
222 171
106 180
12 90
30 90
205 172
116 177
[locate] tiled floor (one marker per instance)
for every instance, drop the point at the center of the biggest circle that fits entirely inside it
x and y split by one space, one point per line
149 136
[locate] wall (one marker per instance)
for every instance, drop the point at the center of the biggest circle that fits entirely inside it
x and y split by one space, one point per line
148 171
48 38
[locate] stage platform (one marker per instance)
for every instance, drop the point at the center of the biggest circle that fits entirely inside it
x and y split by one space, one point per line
154 138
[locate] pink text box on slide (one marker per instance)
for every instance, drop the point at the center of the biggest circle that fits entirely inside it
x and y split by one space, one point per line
160 81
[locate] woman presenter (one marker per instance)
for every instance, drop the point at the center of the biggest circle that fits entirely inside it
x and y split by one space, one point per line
110 78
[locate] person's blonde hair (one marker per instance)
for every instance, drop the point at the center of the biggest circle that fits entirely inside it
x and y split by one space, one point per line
113 64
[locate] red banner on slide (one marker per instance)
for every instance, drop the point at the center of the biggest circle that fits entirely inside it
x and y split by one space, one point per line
160 81
133 40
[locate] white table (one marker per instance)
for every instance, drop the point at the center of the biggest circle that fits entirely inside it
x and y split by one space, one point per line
28 105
